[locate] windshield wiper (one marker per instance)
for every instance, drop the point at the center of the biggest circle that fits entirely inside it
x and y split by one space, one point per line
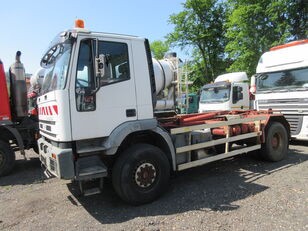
213 101
259 75
282 90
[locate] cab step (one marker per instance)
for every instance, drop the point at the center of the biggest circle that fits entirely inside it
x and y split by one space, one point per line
90 167
90 173
91 187
92 191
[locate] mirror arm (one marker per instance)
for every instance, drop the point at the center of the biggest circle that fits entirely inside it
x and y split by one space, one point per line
96 48
96 60
96 88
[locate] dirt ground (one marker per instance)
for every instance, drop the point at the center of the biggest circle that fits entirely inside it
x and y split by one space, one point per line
241 193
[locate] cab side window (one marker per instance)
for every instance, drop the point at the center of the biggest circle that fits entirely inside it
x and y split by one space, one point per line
84 83
85 66
117 68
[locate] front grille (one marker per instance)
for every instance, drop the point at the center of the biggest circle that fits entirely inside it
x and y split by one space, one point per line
279 101
285 106
48 133
43 160
47 122
53 164
295 123
293 109
47 127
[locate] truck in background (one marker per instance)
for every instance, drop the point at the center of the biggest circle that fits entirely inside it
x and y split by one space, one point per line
190 106
102 115
228 92
281 84
18 130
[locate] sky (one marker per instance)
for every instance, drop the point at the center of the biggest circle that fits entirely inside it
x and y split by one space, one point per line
29 26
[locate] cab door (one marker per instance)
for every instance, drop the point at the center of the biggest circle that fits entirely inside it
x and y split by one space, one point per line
97 114
240 97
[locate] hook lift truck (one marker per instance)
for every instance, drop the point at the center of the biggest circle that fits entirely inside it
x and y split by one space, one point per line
107 110
18 129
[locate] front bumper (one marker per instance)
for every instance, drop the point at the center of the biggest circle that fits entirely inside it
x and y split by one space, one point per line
59 162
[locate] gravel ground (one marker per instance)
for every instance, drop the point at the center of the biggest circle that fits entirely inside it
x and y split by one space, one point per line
241 193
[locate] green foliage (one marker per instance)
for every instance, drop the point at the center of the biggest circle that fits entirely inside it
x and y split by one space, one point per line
297 12
159 48
231 35
200 27
256 25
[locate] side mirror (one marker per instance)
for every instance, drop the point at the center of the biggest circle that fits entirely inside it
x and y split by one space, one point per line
253 85
100 64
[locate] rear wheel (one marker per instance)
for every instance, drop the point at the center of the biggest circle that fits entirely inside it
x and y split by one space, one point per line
275 147
7 158
141 174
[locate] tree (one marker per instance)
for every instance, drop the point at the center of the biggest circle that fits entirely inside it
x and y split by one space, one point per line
297 11
256 25
200 27
159 48
231 35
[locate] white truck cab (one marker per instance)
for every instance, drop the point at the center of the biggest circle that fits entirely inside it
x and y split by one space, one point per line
281 84
103 113
229 92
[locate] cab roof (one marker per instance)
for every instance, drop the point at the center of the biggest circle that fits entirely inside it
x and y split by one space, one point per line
289 57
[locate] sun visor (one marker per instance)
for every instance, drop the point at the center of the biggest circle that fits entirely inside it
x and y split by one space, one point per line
217 84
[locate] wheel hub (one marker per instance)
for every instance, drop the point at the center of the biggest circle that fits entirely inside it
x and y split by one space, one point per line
275 141
145 175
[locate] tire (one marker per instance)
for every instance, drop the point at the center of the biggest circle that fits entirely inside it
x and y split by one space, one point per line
141 174
7 158
275 147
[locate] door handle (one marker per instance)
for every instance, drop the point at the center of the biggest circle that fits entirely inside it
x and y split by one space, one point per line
130 112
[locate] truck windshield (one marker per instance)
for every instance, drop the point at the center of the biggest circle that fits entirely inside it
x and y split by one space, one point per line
215 95
57 60
296 79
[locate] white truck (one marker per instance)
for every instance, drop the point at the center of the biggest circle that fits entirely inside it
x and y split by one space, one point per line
228 92
281 84
98 118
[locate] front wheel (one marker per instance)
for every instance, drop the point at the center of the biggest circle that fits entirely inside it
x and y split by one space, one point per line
141 174
275 147
7 158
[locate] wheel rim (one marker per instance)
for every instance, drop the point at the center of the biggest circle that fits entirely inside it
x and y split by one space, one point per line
276 141
145 175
